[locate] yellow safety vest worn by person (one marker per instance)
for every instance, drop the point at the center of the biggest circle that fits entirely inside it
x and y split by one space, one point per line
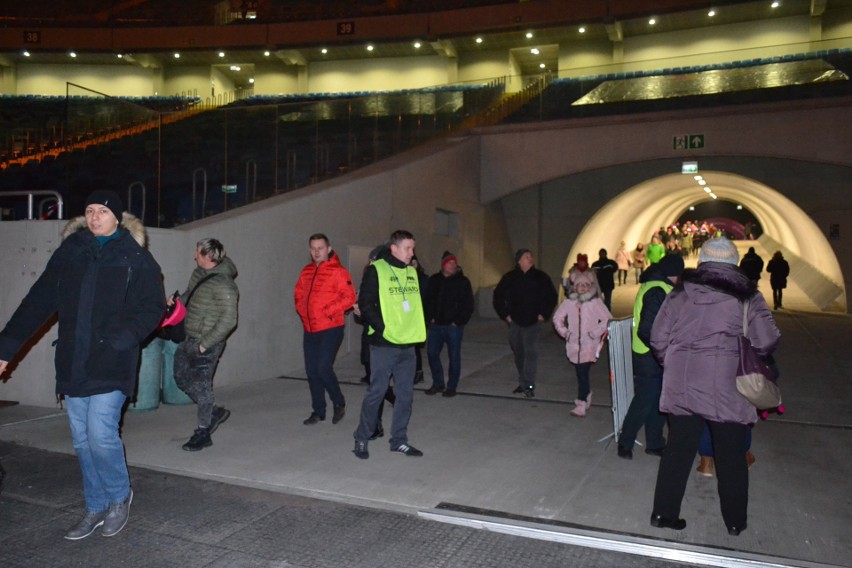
399 301
638 345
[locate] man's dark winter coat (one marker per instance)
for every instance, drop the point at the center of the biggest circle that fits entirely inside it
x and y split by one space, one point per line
524 296
449 299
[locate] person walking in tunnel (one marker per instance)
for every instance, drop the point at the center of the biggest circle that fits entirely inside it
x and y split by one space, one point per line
656 250
524 297
622 259
639 254
695 338
605 269
779 270
752 265
581 320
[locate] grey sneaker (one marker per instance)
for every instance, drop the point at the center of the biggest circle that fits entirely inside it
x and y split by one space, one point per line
86 526
117 517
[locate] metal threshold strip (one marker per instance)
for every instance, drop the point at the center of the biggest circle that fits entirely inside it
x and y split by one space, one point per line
616 542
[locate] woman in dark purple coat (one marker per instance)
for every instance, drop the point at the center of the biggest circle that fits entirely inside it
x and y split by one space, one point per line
695 339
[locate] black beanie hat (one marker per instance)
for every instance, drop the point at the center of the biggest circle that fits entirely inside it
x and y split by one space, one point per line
108 198
521 252
671 265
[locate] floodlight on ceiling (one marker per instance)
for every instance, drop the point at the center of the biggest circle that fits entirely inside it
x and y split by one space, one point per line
177 55
221 54
713 195
708 190
696 178
542 65
266 54
702 182
417 45
529 35
370 48
582 29
324 51
534 51
711 13
26 53
72 54
652 22
479 40
775 4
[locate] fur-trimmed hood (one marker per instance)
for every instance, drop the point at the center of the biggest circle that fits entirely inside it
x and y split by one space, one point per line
128 221
718 277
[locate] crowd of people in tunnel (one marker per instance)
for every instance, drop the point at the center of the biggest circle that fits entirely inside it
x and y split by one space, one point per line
685 325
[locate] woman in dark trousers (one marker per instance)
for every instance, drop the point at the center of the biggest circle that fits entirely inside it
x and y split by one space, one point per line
695 339
778 270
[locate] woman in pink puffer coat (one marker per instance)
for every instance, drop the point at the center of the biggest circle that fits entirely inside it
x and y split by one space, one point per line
581 321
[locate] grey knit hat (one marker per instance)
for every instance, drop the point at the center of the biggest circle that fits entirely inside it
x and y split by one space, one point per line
719 249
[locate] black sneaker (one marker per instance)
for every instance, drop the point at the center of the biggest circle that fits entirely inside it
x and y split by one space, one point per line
625 453
407 450
449 393
529 392
418 377
220 415
200 439
360 450
339 412
518 390
658 452
379 433
313 419
434 389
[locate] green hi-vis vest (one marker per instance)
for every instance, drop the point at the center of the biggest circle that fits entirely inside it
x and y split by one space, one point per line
638 345
397 286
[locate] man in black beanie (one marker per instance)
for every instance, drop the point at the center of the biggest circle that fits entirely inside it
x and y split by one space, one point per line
106 290
655 284
525 297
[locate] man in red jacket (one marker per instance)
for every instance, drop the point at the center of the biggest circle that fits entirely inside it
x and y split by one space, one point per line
323 294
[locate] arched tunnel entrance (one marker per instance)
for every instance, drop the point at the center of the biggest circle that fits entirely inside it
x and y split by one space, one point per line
660 201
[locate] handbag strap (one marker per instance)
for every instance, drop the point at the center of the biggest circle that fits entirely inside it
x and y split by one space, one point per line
746 302
202 281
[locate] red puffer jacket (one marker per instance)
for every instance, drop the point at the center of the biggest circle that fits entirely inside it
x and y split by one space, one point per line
323 294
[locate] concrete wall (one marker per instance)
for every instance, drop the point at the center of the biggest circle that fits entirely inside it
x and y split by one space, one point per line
113 80
386 73
268 243
192 81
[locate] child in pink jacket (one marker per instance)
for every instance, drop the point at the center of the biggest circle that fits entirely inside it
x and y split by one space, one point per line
581 320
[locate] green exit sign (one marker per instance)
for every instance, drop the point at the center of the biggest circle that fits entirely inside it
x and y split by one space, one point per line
229 189
688 142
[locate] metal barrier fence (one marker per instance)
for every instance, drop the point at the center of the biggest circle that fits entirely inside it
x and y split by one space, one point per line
620 370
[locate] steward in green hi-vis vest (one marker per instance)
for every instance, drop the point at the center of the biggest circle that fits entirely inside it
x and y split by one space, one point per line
399 300
638 345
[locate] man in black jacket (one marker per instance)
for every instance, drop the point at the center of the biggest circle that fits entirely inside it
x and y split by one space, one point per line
449 306
107 292
752 265
525 297
391 306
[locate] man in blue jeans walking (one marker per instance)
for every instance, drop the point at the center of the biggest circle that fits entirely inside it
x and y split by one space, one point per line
106 290
449 306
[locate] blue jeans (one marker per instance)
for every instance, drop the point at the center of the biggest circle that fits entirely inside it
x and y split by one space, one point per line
524 344
452 336
583 382
644 409
400 362
94 433
320 349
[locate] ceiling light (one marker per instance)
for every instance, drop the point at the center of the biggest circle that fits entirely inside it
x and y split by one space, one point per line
652 22
534 51
713 195
416 45
369 48
479 40
221 54
529 35
692 208
775 4
541 65
235 67
696 178
582 29
266 54
72 54
711 13
739 207
708 190
702 182
26 53
324 51
177 55
251 80
119 55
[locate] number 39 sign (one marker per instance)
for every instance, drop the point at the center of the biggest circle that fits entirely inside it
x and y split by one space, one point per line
345 28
